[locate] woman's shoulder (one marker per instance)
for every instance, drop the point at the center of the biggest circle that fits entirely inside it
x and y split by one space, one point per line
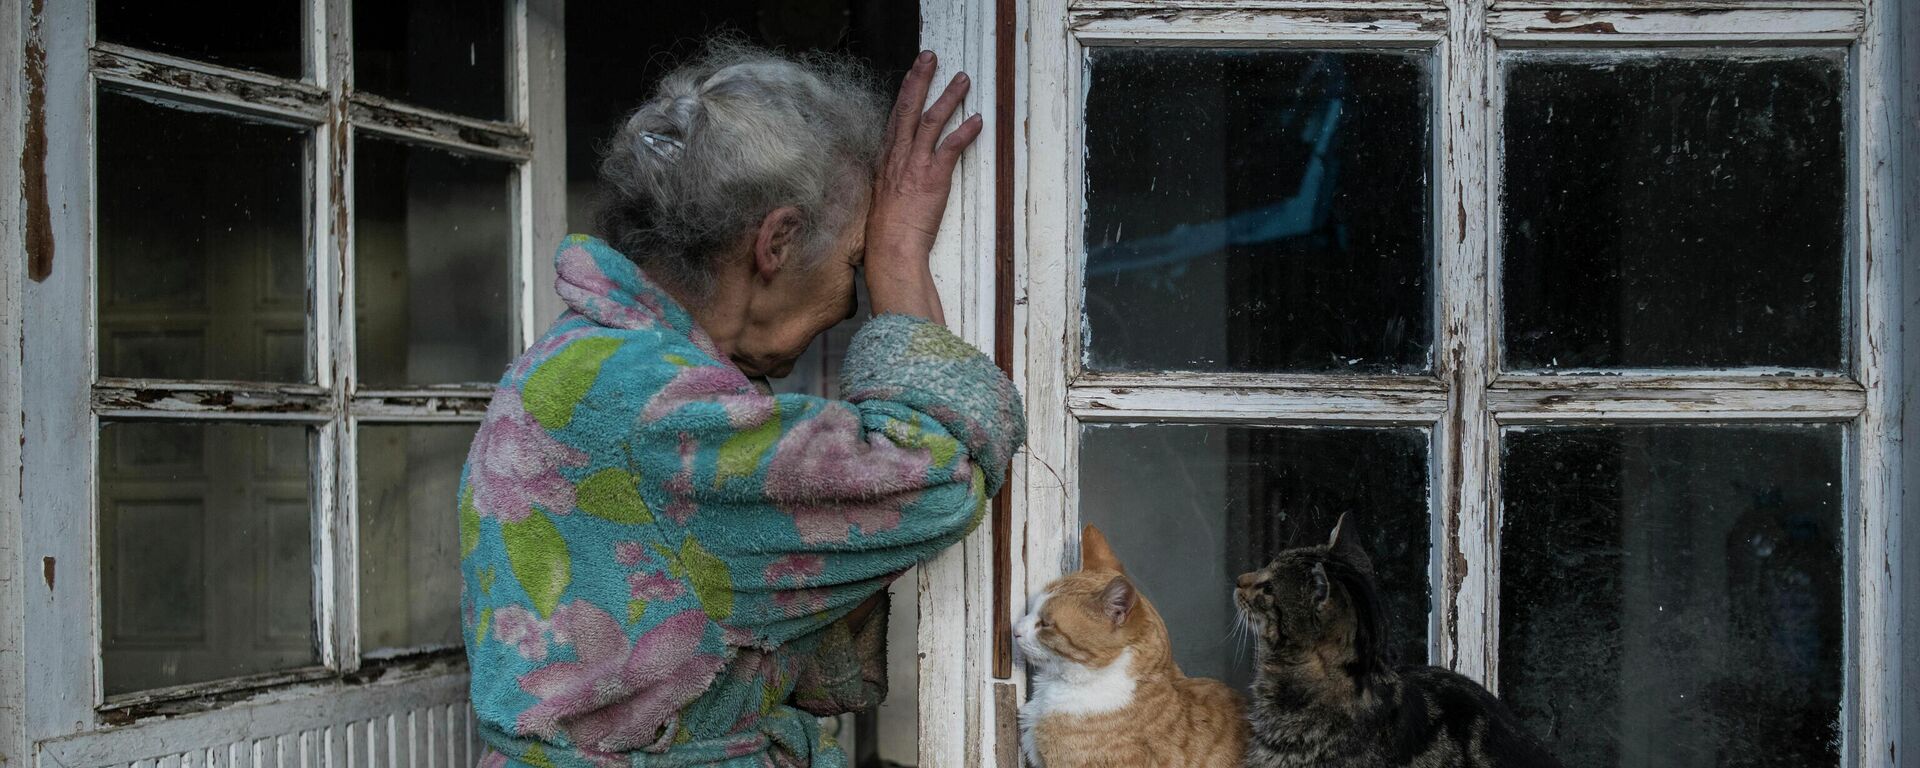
579 365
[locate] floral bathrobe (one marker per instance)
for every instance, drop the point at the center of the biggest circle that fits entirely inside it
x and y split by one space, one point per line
659 558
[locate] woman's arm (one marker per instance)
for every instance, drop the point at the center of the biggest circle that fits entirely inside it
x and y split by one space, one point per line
805 506
910 193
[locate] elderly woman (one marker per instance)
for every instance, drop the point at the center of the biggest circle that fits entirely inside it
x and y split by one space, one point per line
664 564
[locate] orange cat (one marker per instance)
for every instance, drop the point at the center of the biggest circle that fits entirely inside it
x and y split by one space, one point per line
1106 691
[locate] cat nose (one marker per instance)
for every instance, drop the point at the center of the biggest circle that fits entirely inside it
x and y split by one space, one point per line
1247 580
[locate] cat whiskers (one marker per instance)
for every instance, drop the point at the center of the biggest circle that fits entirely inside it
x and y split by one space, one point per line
1241 634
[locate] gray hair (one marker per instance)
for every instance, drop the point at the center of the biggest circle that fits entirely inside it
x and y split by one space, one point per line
728 138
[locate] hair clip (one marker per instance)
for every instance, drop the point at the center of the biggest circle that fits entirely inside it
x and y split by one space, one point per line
667 147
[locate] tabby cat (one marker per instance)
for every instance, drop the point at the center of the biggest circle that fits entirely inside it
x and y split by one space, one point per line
1106 690
1325 695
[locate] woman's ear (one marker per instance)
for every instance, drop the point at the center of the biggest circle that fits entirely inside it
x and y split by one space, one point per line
777 243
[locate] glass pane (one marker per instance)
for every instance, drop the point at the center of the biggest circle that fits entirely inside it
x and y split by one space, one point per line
262 35
202 245
1675 211
1257 210
1674 595
1190 507
433 238
206 558
408 479
449 55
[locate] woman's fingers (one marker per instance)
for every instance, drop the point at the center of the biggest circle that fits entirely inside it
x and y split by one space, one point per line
957 142
937 115
906 110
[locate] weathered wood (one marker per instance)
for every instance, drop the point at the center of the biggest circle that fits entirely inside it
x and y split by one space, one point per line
1532 406
422 406
1676 5
1297 382
545 116
1214 26
1148 7
1877 513
467 135
13 266
1903 382
294 712
955 644
1006 32
1465 512
137 398
1255 405
137 71
1641 27
1764 379
58 356
1048 270
336 573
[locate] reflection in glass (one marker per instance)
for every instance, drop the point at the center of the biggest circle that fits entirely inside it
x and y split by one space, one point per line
1190 507
1673 595
1675 211
434 245
449 55
202 244
206 567
1257 210
409 477
261 35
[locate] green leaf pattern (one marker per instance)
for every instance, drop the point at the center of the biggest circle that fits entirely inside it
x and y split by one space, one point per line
539 559
557 386
613 494
711 580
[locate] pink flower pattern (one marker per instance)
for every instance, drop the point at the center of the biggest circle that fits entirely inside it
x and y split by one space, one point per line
799 570
630 553
515 464
654 587
522 629
620 692
832 483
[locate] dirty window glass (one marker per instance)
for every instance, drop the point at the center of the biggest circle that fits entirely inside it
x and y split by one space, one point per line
1190 507
206 567
410 540
449 55
433 240
201 245
1257 210
1675 211
1674 595
261 35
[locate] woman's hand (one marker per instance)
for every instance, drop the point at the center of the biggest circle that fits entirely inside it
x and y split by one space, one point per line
910 193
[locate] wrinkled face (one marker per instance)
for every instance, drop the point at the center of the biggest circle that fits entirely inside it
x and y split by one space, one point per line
1070 622
801 301
1291 605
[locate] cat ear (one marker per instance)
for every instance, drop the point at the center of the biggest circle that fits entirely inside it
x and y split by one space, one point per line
1095 555
1345 544
1320 586
1118 598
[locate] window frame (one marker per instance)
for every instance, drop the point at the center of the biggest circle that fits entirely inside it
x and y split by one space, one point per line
1467 400
70 718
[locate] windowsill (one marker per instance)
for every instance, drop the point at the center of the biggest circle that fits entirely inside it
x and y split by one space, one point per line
182 700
